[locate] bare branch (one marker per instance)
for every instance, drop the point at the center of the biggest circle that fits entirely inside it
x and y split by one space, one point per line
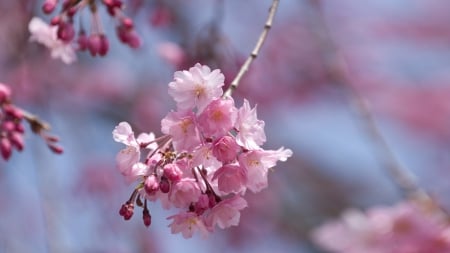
245 67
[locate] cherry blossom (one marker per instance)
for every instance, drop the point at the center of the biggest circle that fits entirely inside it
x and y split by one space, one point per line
226 213
404 227
62 33
45 34
187 224
198 165
250 130
196 87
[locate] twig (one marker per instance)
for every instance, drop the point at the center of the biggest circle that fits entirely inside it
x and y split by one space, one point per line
36 124
245 67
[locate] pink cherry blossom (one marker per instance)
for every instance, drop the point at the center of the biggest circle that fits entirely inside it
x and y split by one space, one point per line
128 159
181 126
231 178
203 156
405 227
124 133
226 149
184 192
226 213
209 156
187 224
196 87
258 162
218 117
45 34
250 130
151 184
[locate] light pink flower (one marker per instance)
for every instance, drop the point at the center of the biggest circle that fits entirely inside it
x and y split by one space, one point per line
184 192
187 224
182 127
128 158
231 178
45 34
404 227
226 149
250 130
196 87
258 162
226 213
124 133
203 156
218 118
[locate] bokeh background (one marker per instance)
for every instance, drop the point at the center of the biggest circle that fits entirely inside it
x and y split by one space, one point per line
394 53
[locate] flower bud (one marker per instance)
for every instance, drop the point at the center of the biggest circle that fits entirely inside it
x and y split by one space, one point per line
151 185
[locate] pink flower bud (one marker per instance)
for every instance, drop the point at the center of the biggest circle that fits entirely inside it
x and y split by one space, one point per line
5 93
126 210
5 148
17 140
8 126
13 111
146 217
82 41
164 185
56 149
55 20
49 6
18 127
94 44
65 32
134 41
151 185
127 23
172 172
104 45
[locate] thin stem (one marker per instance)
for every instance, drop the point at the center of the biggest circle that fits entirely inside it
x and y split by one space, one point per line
37 125
245 67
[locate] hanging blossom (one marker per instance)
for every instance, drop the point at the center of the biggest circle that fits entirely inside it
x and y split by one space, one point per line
63 38
404 228
12 129
208 157
46 34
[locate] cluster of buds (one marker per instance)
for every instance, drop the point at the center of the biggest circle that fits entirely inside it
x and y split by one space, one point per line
96 41
12 129
208 157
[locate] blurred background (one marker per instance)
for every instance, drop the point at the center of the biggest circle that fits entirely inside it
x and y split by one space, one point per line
394 53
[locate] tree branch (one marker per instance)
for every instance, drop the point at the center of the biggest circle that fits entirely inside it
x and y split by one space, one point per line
245 67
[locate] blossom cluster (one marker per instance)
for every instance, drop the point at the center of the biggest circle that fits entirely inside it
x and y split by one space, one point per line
208 157
12 129
61 37
406 227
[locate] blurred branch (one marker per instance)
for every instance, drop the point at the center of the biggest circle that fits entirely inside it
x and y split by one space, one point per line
337 69
244 68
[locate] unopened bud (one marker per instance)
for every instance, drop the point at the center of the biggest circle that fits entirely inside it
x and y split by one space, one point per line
104 45
5 148
151 184
49 6
147 218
